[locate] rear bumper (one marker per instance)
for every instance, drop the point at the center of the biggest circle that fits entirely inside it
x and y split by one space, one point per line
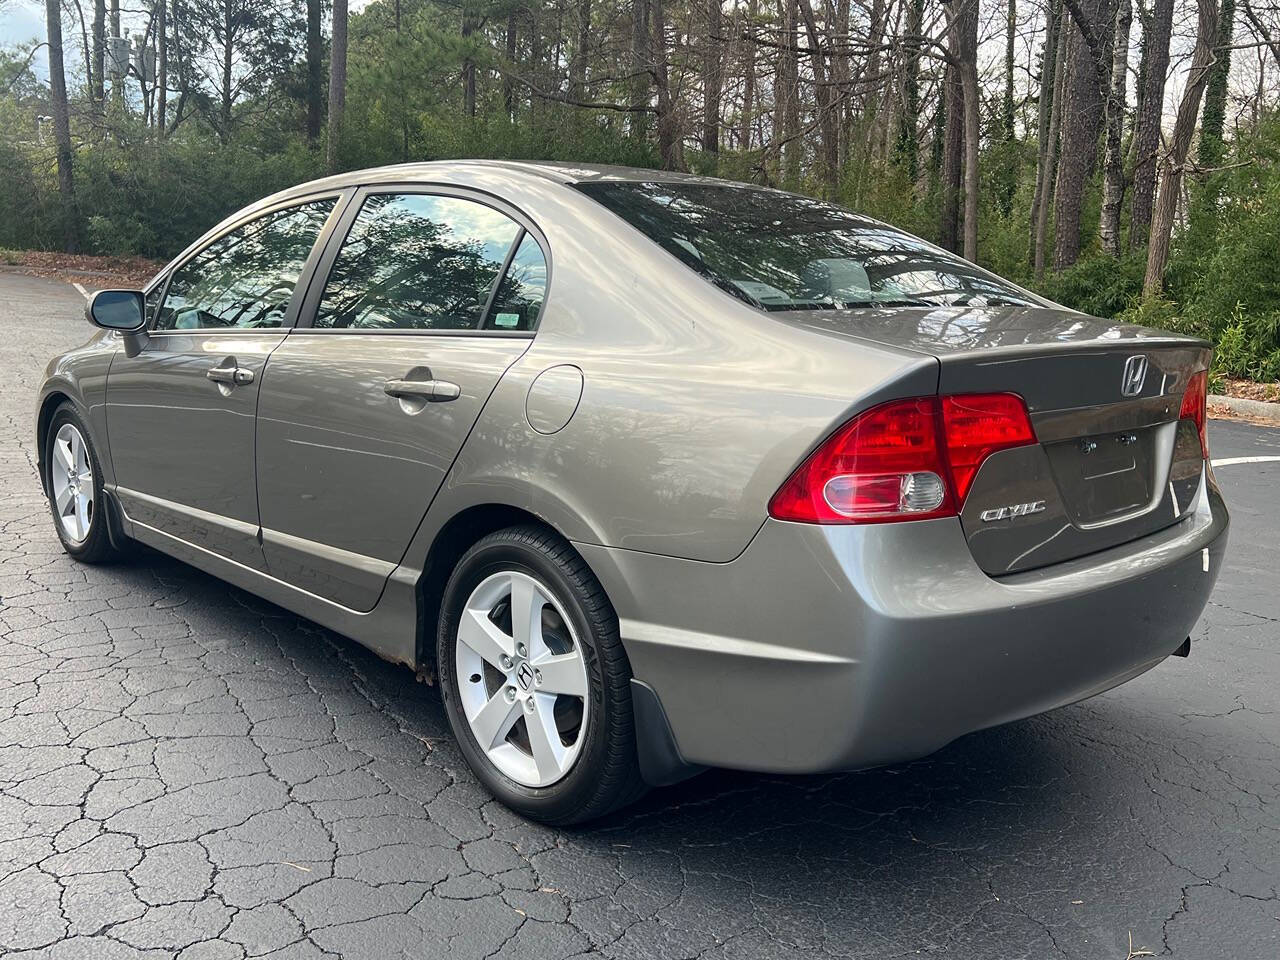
834 648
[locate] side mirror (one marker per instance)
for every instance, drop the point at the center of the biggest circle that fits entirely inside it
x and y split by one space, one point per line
120 310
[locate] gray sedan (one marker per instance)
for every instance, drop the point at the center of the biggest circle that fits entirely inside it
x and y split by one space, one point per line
650 472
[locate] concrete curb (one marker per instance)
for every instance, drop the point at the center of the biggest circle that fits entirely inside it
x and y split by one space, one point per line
1248 409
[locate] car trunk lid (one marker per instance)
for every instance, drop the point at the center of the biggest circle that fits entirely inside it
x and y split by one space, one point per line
1112 461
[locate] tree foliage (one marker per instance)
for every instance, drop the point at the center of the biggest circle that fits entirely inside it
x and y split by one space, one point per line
1015 132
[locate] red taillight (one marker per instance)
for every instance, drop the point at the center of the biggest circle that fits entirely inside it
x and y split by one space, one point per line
977 425
1193 407
903 460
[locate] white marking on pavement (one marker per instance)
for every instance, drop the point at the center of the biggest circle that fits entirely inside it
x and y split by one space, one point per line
83 292
1230 461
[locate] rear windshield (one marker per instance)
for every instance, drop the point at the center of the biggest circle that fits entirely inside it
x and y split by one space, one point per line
779 251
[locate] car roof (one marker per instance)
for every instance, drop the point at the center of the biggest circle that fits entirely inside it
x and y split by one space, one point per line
468 172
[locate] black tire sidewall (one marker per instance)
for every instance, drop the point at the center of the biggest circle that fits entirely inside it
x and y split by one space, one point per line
96 545
561 799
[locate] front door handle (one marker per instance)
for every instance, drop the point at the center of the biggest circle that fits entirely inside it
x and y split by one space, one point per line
231 375
437 391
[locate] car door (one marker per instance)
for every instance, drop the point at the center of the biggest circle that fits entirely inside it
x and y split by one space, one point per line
180 414
420 303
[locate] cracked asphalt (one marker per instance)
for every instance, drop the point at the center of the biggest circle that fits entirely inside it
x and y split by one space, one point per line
188 771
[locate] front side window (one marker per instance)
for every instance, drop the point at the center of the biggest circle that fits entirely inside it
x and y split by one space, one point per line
245 278
416 262
779 251
152 303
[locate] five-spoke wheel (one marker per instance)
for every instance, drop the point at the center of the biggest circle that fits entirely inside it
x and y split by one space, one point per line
522 678
535 681
71 479
73 482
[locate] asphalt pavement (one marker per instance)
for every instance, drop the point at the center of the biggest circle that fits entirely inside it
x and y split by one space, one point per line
186 770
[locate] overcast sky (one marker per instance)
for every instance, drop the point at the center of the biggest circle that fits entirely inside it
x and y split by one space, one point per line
22 21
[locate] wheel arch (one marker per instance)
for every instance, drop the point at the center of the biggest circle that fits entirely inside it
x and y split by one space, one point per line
455 537
44 417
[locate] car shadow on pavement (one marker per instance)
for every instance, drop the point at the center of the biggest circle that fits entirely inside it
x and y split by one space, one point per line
975 784
1012 829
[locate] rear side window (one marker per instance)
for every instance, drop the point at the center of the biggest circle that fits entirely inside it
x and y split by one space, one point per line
245 278
517 304
417 262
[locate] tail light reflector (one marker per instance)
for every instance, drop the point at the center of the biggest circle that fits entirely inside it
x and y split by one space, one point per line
903 460
1193 407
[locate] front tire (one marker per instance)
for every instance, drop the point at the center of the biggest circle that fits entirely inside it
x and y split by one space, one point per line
73 475
535 682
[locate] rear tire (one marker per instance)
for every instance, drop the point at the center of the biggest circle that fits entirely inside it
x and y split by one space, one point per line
592 769
73 475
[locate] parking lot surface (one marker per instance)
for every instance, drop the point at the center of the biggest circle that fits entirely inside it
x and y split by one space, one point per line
188 771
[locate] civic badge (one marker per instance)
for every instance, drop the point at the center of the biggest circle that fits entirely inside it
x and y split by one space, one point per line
1135 375
1012 511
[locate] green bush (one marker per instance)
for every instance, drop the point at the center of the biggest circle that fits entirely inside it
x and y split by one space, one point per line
153 198
1098 285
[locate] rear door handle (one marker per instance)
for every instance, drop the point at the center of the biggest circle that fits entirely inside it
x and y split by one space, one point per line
230 375
437 391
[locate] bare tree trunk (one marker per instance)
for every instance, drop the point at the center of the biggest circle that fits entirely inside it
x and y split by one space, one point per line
315 70
1179 146
468 64
228 65
712 58
85 50
864 122
837 27
1082 122
578 81
787 87
162 66
537 61
1049 71
1146 136
1212 148
908 146
97 67
337 83
642 78
508 85
669 142
828 120
1066 40
1010 35
952 158
117 83
1113 169
61 124
967 46
748 83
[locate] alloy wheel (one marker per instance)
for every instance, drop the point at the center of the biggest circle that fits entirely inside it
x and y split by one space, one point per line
522 679
71 473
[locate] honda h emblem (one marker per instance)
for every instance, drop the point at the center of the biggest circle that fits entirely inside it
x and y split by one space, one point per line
1135 375
525 675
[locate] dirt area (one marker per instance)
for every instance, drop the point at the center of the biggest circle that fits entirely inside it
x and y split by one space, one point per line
1249 390
91 272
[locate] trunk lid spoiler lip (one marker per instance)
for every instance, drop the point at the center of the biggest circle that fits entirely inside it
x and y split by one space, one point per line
971 334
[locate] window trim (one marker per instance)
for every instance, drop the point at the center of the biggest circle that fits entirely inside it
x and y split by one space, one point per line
340 198
337 236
